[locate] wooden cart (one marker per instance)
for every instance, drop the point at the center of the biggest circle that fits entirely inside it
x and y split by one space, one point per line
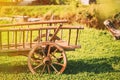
112 29
42 42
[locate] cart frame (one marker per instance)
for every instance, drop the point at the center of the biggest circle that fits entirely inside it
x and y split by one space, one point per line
15 39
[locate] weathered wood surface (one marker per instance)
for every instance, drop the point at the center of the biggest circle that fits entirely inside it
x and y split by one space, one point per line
20 40
112 29
35 23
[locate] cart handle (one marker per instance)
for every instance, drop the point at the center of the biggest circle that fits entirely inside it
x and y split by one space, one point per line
56 31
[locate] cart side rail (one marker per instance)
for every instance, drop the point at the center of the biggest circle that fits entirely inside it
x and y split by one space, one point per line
50 22
22 38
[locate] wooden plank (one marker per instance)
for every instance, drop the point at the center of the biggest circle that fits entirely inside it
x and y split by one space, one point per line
35 23
42 28
77 36
31 39
15 39
12 36
57 30
69 36
47 35
20 36
38 36
41 36
23 39
27 35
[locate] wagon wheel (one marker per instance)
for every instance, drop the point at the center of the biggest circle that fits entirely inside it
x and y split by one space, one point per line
47 58
44 35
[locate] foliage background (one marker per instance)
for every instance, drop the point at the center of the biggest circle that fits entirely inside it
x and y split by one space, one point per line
92 15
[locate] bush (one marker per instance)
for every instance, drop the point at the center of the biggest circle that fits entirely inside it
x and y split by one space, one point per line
92 15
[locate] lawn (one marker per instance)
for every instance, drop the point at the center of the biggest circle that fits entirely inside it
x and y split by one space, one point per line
98 59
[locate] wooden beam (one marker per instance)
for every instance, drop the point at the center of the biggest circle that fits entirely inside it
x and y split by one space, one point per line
35 23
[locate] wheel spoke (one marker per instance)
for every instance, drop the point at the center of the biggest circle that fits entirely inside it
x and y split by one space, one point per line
38 65
54 68
36 60
49 47
58 59
55 51
54 56
43 69
43 52
48 69
39 56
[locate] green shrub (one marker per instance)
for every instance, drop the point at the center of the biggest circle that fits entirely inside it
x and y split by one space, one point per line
91 15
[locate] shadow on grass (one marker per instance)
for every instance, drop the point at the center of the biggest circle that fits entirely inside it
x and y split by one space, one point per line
9 68
102 65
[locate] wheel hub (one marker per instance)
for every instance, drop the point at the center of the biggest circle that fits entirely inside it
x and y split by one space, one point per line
47 60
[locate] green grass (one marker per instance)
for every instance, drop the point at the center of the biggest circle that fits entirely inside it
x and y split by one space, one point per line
98 59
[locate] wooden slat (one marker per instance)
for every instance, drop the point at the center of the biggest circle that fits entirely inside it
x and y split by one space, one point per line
55 33
23 39
69 36
42 28
39 35
27 35
34 23
15 39
47 34
31 39
77 36
20 36
12 36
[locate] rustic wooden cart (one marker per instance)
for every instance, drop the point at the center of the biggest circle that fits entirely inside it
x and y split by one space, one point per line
42 42
112 29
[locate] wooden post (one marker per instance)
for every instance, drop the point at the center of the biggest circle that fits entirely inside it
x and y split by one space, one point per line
16 39
47 34
77 36
23 39
20 39
31 39
56 32
69 36
13 36
39 36
27 34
